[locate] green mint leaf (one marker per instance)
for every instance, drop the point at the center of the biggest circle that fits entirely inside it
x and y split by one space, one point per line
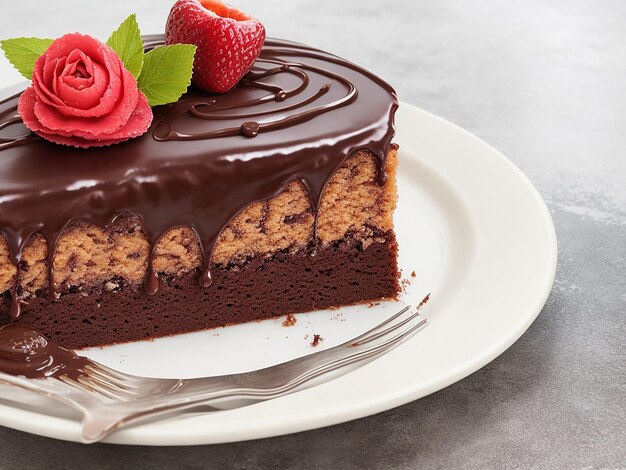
23 52
126 42
166 73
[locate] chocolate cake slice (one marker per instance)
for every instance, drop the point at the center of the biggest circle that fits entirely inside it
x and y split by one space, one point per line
276 197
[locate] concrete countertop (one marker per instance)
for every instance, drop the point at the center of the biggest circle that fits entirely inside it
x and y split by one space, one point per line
543 82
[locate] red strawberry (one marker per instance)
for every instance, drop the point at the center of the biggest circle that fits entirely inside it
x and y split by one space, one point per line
228 41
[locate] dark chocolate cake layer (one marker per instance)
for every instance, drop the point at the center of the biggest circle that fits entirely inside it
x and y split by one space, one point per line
341 274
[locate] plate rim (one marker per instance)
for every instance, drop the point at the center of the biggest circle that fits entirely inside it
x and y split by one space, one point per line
154 434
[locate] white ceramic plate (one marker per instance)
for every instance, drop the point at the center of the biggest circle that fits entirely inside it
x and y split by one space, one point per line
477 235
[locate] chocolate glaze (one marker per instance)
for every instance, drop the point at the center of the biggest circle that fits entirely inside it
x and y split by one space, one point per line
24 351
297 115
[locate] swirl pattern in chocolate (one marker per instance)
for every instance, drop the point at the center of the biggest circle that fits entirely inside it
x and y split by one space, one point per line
297 115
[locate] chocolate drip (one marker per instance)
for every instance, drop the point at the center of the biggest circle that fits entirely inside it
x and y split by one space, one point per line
16 305
11 125
25 352
152 278
297 115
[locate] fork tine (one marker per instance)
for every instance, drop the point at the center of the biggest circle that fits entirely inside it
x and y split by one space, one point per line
93 383
385 346
380 325
392 328
356 357
401 337
85 387
365 336
98 384
97 370
115 374
382 347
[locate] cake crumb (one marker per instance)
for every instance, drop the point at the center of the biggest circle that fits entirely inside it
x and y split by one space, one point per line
317 339
290 320
413 274
373 304
423 302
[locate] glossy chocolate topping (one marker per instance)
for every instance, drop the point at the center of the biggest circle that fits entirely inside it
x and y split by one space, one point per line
24 351
297 115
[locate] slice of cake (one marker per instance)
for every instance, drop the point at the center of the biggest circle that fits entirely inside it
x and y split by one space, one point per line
275 197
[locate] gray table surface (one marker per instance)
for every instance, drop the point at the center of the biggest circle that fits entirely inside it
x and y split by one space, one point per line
545 83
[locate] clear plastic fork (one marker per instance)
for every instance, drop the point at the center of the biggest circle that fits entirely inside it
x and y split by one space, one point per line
109 399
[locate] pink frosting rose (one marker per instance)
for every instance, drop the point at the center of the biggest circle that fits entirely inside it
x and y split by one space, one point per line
83 96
